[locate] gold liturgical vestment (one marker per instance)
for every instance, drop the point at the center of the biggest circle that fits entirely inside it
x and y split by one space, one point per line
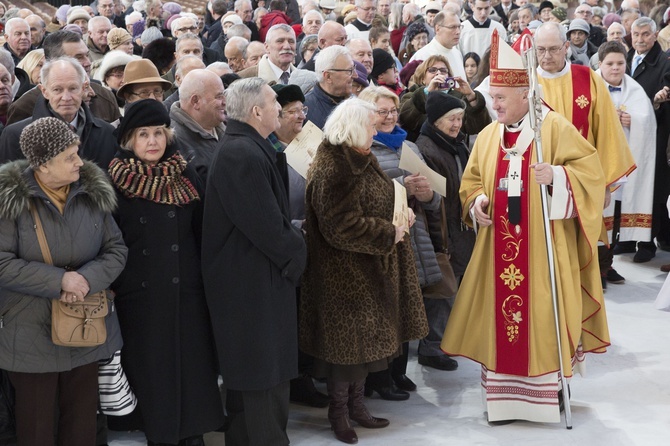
472 330
586 102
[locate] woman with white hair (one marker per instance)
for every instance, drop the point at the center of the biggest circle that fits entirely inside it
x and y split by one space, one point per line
111 72
360 293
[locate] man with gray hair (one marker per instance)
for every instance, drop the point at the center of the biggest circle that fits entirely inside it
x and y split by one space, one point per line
581 96
198 118
236 53
312 21
255 51
186 25
252 263
628 16
335 71
277 65
17 36
188 44
183 66
650 67
63 85
361 51
37 30
7 82
245 10
98 28
365 13
596 33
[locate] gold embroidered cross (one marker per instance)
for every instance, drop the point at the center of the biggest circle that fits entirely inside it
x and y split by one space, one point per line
512 277
582 101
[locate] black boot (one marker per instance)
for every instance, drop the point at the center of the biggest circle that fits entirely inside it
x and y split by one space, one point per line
304 392
338 411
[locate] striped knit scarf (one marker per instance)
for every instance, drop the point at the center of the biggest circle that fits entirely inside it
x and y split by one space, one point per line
162 183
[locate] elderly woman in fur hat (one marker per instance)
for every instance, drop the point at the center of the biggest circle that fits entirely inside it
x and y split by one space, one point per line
56 387
169 353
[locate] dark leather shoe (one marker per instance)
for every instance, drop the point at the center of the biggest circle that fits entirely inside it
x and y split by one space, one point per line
442 362
304 392
644 254
665 268
402 382
614 277
343 430
389 393
624 248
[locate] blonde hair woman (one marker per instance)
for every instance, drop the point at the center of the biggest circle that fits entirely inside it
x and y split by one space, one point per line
32 64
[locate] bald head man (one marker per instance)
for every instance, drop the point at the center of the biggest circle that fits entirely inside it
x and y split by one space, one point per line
198 118
201 97
37 29
331 33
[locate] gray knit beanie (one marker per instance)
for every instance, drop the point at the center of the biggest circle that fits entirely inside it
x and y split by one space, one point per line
44 139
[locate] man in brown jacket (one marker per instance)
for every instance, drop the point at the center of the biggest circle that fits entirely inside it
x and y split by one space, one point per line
65 43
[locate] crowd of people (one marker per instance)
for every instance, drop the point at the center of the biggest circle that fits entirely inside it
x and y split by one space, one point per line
149 139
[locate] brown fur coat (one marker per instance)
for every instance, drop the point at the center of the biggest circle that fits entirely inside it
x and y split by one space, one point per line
360 295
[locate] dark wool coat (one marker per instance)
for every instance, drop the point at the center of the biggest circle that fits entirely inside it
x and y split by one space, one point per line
98 143
252 261
169 354
439 155
653 74
360 295
413 112
84 238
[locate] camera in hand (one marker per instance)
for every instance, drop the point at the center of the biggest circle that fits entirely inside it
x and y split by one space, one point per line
448 83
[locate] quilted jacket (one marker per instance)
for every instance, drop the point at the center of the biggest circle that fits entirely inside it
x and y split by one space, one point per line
85 238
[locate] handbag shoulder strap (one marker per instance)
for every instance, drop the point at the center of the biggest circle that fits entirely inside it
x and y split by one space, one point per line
41 236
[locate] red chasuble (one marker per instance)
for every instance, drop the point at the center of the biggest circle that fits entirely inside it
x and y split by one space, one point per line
512 274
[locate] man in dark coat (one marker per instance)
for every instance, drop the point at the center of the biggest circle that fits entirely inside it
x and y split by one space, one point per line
198 119
334 84
215 29
650 68
253 258
504 9
61 98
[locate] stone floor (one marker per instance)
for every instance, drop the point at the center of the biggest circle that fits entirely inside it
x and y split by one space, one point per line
624 399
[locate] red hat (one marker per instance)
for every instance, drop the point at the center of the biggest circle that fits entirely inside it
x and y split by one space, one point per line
507 68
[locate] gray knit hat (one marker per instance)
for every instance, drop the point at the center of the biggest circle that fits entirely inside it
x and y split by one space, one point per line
44 139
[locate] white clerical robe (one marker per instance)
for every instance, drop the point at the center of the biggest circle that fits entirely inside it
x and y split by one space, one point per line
453 56
636 195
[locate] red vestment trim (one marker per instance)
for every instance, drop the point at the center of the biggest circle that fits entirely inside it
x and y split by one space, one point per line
511 272
581 94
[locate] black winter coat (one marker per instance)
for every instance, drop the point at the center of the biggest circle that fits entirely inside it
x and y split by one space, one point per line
253 258
98 143
653 74
169 355
438 152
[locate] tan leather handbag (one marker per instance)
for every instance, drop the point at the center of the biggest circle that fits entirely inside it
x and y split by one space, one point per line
79 324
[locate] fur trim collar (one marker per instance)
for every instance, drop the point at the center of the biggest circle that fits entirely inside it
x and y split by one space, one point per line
17 186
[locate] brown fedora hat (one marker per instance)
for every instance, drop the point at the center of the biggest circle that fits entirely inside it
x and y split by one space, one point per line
141 71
